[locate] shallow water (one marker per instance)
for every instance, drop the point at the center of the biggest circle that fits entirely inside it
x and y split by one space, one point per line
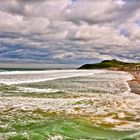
85 105
61 128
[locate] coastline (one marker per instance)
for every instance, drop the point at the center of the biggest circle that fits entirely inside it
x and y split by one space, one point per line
135 83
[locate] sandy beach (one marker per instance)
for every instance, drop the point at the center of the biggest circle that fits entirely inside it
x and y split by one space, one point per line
135 83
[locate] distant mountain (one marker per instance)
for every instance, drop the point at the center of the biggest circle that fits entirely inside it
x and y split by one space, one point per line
112 65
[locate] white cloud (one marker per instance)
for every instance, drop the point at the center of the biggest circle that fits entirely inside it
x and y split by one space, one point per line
82 30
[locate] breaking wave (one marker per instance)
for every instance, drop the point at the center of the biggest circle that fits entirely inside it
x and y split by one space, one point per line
102 98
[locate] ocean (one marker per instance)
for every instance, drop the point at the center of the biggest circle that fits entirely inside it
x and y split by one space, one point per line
68 105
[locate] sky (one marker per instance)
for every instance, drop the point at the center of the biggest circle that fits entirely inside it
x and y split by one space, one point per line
69 31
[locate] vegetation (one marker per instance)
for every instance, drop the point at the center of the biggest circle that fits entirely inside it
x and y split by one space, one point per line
113 65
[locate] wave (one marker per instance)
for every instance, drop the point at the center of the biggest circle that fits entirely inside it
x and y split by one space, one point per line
18 77
117 106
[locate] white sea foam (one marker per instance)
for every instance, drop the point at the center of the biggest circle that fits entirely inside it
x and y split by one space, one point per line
37 90
56 138
111 108
38 76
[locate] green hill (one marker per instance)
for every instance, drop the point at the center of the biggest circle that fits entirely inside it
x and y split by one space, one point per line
112 65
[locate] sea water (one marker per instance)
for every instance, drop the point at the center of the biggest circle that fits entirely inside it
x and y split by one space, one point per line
69 105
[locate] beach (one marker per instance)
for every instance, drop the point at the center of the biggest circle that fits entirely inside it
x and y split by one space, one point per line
135 83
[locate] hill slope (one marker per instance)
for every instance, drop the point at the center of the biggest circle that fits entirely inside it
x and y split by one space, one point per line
113 65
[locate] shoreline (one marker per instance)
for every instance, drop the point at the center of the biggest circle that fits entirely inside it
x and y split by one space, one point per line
135 83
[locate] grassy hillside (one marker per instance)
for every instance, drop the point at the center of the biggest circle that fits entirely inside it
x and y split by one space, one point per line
113 65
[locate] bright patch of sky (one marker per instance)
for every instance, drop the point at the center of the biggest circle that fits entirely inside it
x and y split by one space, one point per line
121 3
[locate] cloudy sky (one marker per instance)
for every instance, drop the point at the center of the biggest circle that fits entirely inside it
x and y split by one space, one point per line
69 31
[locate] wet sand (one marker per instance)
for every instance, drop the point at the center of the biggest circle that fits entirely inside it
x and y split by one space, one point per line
135 83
